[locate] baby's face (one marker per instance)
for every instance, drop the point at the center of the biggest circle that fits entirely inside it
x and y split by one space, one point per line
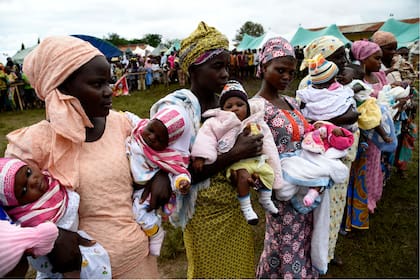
155 134
30 184
346 76
236 105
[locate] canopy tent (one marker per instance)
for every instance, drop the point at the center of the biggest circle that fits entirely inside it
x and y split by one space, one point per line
159 49
406 33
128 51
139 51
143 52
255 43
20 55
304 36
249 42
108 49
176 45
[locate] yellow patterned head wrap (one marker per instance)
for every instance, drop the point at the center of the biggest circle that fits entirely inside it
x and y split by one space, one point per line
203 39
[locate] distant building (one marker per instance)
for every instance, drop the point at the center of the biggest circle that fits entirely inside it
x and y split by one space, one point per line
363 31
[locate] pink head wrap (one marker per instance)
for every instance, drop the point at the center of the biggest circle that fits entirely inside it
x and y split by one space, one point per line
273 48
173 121
8 169
383 38
47 67
362 49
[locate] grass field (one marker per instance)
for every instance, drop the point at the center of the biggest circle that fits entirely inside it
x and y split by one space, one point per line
389 249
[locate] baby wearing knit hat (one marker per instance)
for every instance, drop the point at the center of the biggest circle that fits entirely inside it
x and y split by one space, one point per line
155 144
322 71
325 98
218 135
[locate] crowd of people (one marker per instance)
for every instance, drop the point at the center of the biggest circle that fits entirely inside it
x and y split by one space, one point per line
318 160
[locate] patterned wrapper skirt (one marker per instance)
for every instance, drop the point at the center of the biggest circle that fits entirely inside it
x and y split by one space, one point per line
218 241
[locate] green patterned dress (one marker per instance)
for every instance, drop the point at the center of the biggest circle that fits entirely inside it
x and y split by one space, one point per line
218 240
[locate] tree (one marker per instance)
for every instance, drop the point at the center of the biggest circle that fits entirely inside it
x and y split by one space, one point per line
152 39
250 28
22 47
116 40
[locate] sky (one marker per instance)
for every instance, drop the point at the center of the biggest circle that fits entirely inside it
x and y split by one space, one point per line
24 21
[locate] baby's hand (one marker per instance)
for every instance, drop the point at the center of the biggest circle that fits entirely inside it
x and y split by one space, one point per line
388 139
184 187
198 164
337 132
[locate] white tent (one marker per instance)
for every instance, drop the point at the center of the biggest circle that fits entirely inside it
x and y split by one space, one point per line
139 51
142 52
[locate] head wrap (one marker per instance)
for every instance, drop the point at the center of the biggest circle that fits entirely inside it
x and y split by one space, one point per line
273 48
231 89
8 169
321 70
362 49
47 67
383 38
203 39
173 121
325 45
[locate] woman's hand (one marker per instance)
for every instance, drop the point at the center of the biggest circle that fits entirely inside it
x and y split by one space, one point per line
66 256
247 146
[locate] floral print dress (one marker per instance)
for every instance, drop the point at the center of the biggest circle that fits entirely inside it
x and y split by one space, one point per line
287 243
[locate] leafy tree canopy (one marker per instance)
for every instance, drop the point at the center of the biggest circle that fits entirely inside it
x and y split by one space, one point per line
152 39
115 39
149 39
250 28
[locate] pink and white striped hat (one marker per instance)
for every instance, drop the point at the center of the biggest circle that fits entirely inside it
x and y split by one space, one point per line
173 120
8 169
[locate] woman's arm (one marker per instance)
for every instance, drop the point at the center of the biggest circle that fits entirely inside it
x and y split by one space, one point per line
66 256
246 146
349 117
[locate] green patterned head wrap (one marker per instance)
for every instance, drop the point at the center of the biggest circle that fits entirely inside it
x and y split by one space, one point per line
203 39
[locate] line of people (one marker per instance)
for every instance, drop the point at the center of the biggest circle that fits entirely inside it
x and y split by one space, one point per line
142 72
304 155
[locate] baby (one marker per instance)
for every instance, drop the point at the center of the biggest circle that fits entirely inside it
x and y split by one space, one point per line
325 98
370 113
218 135
324 136
32 197
150 148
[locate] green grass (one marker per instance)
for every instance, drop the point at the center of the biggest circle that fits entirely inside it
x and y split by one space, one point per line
389 249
